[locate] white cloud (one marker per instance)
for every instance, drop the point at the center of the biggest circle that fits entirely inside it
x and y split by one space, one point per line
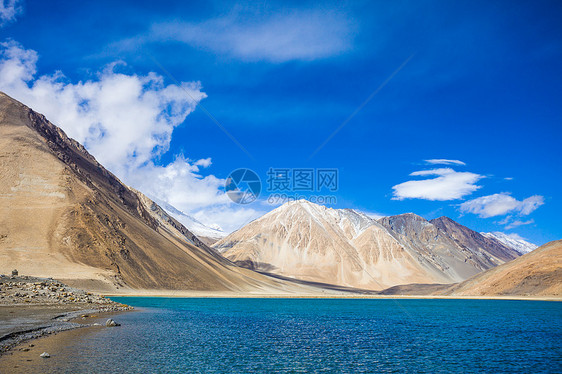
530 204
9 10
518 223
505 220
279 37
442 161
126 122
180 184
447 185
204 162
500 204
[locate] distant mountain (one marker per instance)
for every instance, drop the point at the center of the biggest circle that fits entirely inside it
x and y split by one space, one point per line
517 244
311 242
345 247
457 250
63 215
474 240
538 273
206 234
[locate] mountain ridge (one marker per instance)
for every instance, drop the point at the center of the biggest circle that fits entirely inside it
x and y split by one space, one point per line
354 250
63 215
537 273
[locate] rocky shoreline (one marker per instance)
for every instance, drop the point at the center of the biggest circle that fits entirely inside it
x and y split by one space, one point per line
33 307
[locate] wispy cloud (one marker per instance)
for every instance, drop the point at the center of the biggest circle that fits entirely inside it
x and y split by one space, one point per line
9 10
500 204
442 161
518 223
448 184
280 37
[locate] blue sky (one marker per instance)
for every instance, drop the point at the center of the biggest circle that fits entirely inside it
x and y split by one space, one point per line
482 84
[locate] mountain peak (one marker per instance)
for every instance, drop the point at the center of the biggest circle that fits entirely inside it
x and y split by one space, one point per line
444 218
403 222
408 216
473 239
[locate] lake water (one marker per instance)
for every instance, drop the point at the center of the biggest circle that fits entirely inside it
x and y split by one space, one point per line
171 335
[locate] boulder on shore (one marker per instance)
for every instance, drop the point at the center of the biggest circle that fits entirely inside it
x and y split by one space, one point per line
111 323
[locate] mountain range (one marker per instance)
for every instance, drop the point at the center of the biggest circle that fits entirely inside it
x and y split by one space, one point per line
306 241
63 215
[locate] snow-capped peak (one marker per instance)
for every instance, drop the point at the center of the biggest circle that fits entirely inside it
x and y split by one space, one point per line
192 224
344 218
511 240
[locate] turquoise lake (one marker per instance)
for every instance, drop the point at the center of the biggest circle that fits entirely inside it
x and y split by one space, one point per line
174 335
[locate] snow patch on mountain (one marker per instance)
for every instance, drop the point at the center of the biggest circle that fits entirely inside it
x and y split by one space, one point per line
511 240
196 227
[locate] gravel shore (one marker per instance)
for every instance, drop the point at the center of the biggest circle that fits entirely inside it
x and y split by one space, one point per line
32 307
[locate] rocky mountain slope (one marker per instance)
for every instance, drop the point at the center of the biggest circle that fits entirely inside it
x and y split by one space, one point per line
434 246
475 241
307 241
520 245
62 215
538 273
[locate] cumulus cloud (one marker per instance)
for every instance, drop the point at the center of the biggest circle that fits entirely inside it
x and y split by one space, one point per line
500 204
442 161
448 184
180 184
125 121
9 10
279 37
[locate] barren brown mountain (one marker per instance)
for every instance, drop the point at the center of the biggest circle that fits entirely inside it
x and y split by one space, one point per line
538 273
307 241
63 215
466 237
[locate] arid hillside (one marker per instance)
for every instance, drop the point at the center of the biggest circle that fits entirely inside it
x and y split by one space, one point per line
62 215
538 273
311 242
